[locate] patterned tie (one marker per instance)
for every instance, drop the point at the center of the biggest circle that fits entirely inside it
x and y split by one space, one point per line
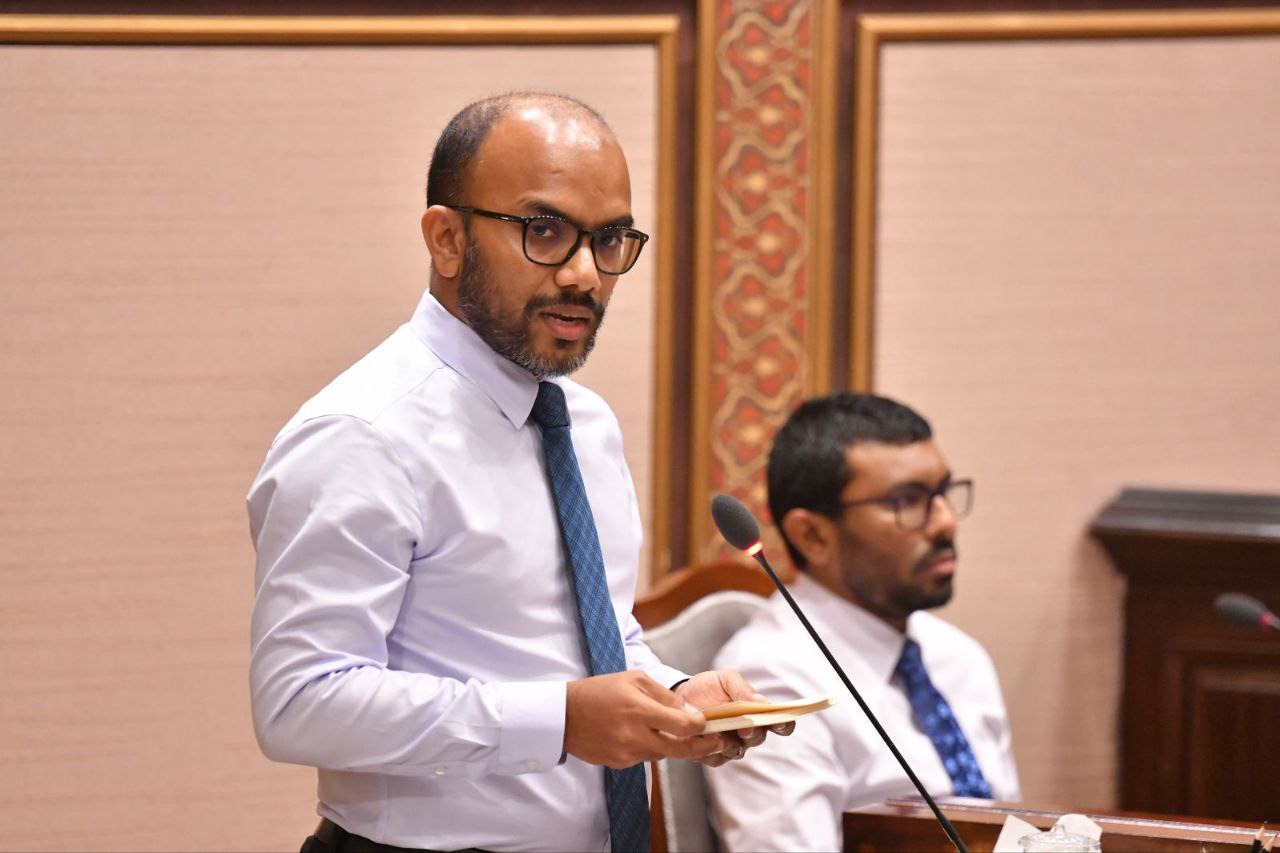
934 715
624 789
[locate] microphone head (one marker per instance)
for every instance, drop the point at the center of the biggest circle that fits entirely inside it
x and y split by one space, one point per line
737 525
1241 609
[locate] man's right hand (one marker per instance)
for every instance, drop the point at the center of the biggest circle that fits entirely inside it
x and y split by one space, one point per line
625 718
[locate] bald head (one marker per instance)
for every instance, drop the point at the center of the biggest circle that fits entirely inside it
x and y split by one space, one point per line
535 165
466 132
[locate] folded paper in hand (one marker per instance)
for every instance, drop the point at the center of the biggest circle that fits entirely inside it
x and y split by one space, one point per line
747 715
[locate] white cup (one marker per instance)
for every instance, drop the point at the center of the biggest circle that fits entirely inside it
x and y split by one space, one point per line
1058 840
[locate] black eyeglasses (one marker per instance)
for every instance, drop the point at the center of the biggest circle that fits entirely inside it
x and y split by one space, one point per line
912 505
552 240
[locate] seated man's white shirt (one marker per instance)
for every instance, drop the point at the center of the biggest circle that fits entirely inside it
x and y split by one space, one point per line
791 793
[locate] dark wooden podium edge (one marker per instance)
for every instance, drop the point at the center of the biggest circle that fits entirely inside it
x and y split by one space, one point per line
1114 822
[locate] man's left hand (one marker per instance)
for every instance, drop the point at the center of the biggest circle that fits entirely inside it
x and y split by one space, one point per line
715 687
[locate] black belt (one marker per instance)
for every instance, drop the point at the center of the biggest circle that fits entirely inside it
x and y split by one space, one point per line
331 838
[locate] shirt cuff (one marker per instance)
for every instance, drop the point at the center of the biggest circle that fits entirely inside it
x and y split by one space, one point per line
667 676
532 737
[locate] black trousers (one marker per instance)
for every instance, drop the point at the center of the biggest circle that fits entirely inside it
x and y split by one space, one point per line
331 838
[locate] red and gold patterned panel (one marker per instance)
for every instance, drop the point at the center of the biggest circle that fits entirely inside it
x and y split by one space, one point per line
757 273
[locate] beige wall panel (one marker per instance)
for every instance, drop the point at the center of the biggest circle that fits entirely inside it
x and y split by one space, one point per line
195 240
1076 281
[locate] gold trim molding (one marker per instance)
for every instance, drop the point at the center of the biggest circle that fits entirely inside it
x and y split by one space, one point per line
876 30
215 29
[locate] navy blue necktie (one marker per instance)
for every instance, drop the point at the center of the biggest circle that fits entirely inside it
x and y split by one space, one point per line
934 716
624 789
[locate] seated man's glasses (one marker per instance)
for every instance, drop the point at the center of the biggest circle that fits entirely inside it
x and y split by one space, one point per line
552 240
912 505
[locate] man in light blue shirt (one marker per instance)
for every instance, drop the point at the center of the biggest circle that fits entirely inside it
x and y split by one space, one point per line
415 634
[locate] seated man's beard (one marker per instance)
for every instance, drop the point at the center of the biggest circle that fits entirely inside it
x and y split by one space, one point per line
478 301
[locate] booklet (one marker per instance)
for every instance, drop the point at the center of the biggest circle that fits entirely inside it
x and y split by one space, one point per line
746 715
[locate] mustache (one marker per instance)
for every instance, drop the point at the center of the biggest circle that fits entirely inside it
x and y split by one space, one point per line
576 300
944 547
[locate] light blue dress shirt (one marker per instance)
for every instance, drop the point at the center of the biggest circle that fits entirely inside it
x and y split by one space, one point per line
414 627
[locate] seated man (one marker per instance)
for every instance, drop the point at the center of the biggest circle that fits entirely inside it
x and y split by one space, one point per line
868 509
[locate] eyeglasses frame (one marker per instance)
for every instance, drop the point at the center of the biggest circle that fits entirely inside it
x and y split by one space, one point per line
577 244
940 492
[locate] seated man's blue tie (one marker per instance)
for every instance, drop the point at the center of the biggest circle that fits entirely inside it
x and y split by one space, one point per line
624 789
934 716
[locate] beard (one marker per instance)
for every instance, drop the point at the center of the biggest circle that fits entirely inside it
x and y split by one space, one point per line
480 304
909 598
892 598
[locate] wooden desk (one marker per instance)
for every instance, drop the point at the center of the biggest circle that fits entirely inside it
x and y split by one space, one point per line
907 824
1201 697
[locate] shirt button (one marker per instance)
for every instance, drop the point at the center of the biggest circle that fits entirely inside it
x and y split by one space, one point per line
440 771
532 765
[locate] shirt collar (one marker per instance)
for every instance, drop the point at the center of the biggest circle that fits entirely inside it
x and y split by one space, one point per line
875 641
511 387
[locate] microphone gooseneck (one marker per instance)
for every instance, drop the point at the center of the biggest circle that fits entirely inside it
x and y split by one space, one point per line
739 528
1241 609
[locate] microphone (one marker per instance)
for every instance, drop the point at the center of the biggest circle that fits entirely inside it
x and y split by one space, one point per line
739 528
1241 609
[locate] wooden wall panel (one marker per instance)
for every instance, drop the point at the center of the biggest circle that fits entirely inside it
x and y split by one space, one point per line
1068 237
196 239
1234 706
1200 696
